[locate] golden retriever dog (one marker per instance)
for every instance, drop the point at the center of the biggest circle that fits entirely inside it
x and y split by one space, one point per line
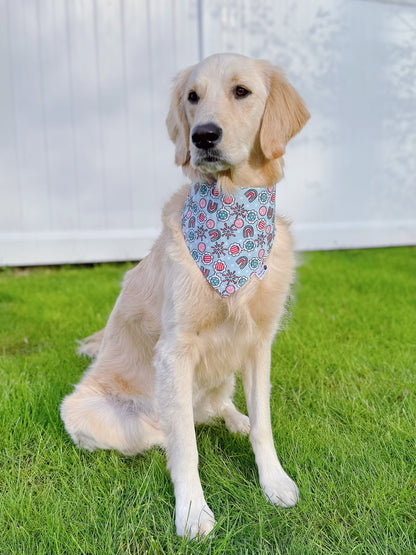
179 332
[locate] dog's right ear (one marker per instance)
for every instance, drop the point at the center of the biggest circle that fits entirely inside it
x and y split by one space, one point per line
176 122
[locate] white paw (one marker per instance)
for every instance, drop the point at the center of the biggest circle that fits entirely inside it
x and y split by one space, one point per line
238 423
194 519
281 490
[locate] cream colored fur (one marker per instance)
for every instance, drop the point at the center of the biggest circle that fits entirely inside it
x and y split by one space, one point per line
167 357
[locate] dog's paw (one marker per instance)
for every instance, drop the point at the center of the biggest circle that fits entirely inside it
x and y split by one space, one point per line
194 519
237 423
281 490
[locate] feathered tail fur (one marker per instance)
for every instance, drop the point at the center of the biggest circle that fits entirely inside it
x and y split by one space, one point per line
91 345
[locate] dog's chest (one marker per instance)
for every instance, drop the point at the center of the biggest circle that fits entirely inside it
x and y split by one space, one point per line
223 350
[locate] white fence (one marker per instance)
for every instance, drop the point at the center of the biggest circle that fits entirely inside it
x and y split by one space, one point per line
85 162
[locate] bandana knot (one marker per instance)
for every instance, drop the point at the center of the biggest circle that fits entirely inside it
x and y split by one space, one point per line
229 236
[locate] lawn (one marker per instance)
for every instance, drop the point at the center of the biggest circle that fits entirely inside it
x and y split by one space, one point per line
343 411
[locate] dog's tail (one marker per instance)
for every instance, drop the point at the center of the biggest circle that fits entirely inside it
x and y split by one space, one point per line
91 345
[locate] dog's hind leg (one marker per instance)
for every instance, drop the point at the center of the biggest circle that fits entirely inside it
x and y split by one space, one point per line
113 407
236 422
218 402
95 420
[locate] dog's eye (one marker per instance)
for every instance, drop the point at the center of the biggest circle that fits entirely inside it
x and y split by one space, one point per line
193 97
241 92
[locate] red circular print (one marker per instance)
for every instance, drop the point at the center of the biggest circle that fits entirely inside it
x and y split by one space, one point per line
201 247
210 224
220 266
239 223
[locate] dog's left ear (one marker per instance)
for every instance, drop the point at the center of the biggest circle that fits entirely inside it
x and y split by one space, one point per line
284 115
176 121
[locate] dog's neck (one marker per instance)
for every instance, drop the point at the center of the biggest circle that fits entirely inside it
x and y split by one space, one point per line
229 236
256 172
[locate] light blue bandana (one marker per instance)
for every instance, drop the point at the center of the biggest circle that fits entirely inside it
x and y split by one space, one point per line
229 236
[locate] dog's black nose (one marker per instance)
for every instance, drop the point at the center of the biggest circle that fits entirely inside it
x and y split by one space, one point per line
206 136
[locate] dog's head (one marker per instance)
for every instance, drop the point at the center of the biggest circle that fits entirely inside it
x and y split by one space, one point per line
232 115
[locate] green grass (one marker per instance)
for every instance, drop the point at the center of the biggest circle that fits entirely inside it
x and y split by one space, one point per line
343 410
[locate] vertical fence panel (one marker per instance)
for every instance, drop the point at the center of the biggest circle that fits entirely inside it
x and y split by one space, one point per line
10 183
25 83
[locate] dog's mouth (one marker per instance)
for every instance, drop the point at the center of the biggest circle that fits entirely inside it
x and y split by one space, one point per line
210 160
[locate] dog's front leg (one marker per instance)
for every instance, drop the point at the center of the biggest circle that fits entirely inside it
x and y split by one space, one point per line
175 365
276 484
